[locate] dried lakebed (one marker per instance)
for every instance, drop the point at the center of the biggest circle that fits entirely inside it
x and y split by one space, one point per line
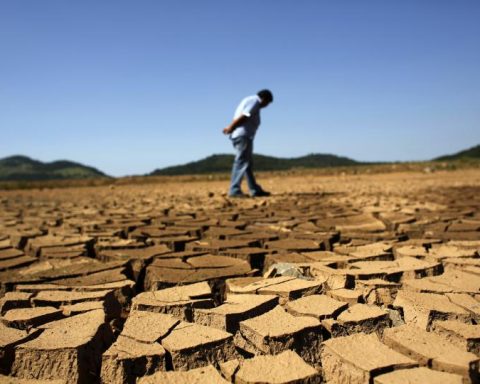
358 279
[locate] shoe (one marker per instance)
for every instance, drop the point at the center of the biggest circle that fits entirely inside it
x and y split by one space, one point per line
261 193
238 196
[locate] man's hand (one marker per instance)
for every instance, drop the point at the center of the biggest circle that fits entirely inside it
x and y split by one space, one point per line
235 123
227 130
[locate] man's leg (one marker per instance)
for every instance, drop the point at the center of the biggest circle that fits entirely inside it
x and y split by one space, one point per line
240 165
252 183
255 189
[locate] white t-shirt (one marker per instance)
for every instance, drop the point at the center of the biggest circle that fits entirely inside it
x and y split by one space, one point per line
249 107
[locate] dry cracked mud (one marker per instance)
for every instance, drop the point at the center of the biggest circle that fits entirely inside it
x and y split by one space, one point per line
338 279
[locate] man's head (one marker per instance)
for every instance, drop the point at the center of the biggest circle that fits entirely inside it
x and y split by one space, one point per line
265 96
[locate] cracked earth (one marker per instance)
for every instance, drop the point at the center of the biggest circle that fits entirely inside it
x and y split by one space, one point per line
335 279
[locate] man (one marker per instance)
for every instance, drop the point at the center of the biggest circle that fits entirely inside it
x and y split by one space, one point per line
242 132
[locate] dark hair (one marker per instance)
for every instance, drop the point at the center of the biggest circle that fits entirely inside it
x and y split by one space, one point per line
265 95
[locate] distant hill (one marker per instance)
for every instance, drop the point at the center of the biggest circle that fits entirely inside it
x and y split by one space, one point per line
24 168
471 153
223 163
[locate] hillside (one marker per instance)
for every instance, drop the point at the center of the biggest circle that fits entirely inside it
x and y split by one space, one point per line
24 168
471 153
223 163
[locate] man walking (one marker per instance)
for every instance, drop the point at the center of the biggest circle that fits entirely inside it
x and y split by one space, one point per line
242 132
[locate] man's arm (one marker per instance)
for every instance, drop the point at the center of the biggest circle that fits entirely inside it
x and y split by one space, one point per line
234 124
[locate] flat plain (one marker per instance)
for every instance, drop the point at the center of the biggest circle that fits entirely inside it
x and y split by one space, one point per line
371 278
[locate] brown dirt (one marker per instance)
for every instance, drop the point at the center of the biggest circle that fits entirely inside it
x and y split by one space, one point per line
165 282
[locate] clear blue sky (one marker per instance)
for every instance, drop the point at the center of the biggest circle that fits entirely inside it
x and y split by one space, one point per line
130 86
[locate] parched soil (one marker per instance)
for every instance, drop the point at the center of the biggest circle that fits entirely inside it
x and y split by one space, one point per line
336 279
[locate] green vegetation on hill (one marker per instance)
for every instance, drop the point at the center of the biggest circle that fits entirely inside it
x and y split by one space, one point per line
471 153
223 163
24 168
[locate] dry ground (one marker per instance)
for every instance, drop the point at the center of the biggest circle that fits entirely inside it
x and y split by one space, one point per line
337 279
